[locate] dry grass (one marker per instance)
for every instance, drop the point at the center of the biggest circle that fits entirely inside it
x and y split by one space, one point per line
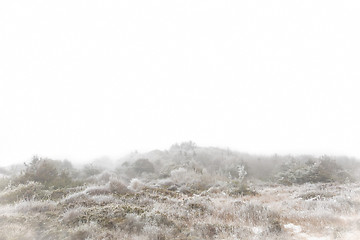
181 195
330 211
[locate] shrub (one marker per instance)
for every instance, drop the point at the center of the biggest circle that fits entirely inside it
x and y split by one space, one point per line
238 188
323 170
28 206
79 198
136 185
103 199
143 165
117 187
29 191
184 176
97 190
260 215
73 215
48 172
132 223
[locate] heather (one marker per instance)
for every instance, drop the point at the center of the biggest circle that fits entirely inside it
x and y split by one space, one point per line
186 192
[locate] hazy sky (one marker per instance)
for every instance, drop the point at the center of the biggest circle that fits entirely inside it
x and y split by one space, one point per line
83 79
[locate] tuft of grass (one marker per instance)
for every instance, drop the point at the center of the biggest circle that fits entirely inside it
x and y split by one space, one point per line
35 206
316 195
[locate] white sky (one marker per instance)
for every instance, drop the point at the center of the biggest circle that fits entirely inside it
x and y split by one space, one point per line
83 79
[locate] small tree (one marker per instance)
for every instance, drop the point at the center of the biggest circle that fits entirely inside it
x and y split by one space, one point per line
46 171
242 173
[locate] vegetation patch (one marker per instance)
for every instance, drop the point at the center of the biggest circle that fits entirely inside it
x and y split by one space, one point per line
184 193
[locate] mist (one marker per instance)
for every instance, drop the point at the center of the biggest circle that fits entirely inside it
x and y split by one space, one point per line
82 80
193 119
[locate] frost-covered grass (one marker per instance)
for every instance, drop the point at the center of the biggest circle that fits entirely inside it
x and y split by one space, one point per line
184 193
309 211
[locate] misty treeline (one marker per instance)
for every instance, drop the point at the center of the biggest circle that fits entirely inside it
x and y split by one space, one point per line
186 167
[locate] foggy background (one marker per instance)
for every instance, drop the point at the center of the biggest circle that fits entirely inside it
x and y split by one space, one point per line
84 79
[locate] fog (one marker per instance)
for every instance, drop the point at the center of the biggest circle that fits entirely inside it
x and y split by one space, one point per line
192 119
84 79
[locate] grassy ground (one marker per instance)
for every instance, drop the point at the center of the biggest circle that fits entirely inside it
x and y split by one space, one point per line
113 211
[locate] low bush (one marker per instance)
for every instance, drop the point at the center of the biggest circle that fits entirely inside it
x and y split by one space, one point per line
29 191
97 190
260 215
78 199
136 185
31 206
117 187
322 170
50 173
238 188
